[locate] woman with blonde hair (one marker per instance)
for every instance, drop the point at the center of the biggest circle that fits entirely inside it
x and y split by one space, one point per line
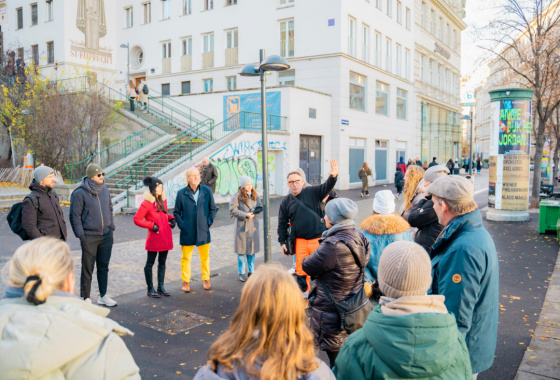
364 172
49 333
268 337
413 190
132 93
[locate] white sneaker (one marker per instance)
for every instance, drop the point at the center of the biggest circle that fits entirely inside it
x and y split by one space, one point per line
88 300
292 270
106 300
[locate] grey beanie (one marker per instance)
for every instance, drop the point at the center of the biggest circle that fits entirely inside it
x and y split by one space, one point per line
92 170
404 270
244 180
435 172
340 210
41 172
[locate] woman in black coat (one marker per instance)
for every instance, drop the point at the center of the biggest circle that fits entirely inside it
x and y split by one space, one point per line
339 263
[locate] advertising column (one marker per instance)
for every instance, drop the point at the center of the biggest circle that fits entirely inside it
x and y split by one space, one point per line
510 142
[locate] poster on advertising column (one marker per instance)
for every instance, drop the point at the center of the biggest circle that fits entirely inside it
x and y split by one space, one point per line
250 104
514 128
508 182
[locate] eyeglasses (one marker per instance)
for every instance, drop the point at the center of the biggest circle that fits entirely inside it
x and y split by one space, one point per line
101 175
294 182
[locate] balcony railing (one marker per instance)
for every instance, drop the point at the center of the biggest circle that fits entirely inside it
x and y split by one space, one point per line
287 47
186 62
207 59
166 65
231 56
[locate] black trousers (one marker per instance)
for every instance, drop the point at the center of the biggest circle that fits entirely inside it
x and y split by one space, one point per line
96 249
152 259
332 357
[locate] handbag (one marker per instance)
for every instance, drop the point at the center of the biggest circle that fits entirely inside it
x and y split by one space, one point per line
291 241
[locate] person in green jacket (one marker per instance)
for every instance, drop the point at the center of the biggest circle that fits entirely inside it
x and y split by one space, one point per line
410 334
47 332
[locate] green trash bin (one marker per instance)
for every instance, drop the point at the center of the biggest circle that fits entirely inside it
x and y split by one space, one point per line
549 215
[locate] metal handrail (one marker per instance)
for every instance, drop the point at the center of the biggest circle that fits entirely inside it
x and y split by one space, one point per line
197 114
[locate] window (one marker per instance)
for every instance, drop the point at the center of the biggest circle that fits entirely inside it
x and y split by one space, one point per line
390 8
165 10
441 28
406 64
388 55
34 14
448 35
378 48
378 4
165 89
186 87
49 10
365 45
35 54
287 78
399 60
128 17
208 85
19 14
433 23
231 39
402 100
447 81
455 40
439 78
352 36
187 7
358 91
312 113
407 19
166 50
50 52
231 2
432 76
208 42
424 15
231 83
423 68
139 57
286 2
20 53
186 46
399 12
208 5
382 98
147 12
287 38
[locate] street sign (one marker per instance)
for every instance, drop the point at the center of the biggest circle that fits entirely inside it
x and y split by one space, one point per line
345 122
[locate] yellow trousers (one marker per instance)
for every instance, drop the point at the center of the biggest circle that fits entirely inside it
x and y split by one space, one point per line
203 252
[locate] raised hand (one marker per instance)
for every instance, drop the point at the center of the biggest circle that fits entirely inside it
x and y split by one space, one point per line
334 168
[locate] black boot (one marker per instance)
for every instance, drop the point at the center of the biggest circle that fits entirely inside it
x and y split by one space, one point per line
149 283
160 280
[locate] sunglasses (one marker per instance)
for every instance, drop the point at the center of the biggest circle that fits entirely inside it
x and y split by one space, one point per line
294 182
101 175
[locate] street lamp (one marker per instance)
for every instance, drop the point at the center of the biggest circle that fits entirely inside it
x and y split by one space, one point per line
467 117
271 63
127 46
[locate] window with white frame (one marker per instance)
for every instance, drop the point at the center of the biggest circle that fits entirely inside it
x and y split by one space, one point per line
186 87
433 22
208 42
287 78
432 74
128 17
186 46
455 40
423 68
441 28
378 48
19 16
439 77
399 12
399 60
358 85
365 44
287 38
424 15
231 39
166 49
389 8
50 52
352 36
448 35
147 7
388 55
165 89
35 54
407 20
378 4
406 64
208 85
208 5
50 11
165 9
286 2
402 103
382 98
187 7
34 15
231 83
447 81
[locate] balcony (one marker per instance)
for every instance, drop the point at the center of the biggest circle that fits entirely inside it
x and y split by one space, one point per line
186 62
166 66
287 48
207 59
231 56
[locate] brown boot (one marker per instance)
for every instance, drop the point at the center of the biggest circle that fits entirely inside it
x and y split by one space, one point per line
206 284
186 287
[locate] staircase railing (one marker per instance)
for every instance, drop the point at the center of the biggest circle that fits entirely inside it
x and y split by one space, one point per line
176 109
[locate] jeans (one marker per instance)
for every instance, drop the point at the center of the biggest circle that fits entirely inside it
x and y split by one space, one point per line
131 104
96 249
241 263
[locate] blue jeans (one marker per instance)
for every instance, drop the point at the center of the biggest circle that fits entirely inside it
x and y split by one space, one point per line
241 263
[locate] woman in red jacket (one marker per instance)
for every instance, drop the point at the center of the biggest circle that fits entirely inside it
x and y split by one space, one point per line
153 215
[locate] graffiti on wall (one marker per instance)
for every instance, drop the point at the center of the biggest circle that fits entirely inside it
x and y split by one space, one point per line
172 187
229 171
246 148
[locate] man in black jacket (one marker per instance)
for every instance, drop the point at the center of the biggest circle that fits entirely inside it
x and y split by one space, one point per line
41 214
423 216
433 163
209 174
91 217
303 210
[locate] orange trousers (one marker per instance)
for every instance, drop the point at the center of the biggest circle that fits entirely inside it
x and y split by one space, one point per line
304 248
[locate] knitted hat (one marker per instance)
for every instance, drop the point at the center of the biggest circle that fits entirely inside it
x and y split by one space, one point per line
244 180
152 183
92 170
435 172
453 188
404 270
341 210
384 202
41 172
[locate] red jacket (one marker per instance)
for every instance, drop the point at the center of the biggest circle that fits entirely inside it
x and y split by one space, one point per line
146 216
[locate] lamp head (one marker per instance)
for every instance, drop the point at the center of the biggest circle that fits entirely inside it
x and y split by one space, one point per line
124 45
465 117
249 70
274 63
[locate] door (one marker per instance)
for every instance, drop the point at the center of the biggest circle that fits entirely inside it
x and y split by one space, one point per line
357 157
380 160
310 158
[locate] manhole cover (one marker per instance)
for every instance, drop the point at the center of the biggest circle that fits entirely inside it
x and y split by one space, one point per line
176 322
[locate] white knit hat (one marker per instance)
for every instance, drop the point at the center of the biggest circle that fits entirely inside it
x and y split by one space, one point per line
404 270
384 202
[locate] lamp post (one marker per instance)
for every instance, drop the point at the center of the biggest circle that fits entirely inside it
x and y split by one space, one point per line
469 117
270 63
127 46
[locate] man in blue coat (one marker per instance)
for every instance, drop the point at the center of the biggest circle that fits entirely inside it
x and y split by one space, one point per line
465 268
195 210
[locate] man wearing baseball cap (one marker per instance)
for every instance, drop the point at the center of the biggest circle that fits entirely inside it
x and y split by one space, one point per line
465 268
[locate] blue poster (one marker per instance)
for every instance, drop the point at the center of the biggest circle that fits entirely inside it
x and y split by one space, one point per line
250 107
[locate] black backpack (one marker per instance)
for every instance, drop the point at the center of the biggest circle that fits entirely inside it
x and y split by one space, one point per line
14 217
145 90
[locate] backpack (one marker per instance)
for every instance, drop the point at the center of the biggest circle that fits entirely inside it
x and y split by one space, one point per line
145 90
15 214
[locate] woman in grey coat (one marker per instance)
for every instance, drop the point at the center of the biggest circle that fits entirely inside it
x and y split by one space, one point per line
244 206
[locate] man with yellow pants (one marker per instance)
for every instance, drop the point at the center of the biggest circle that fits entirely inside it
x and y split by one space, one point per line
195 210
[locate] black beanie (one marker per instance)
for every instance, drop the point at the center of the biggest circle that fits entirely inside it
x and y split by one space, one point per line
152 183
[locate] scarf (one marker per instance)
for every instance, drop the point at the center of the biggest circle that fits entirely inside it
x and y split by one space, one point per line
93 187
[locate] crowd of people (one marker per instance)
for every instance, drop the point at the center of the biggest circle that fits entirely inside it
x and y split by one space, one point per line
412 292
